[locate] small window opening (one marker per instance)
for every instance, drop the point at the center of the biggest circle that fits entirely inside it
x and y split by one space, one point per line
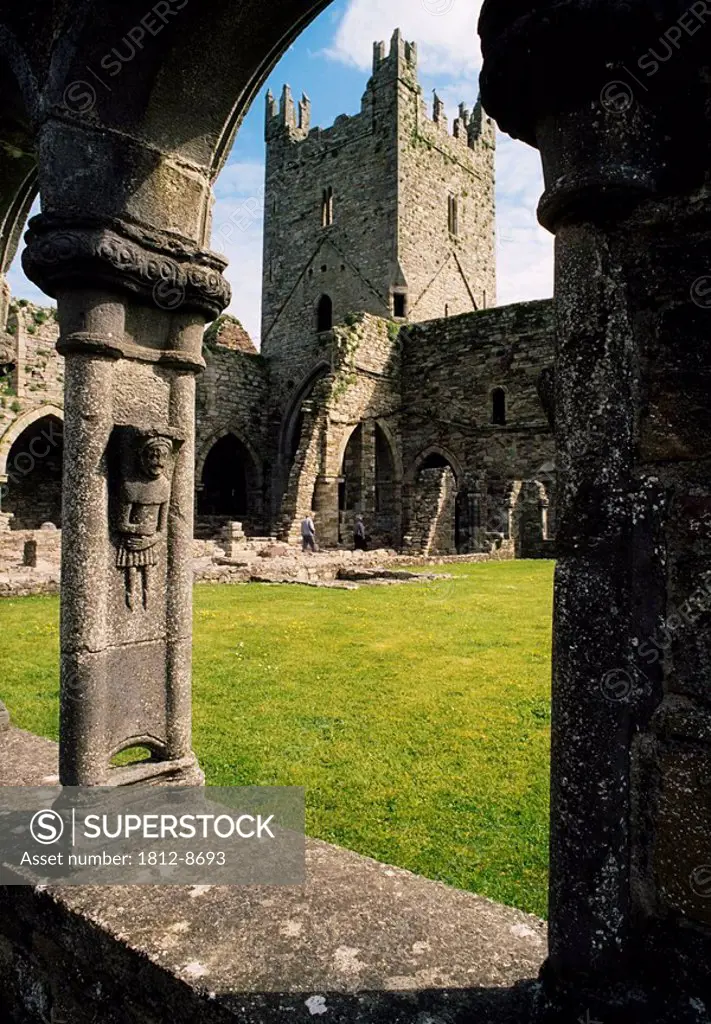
453 215
324 314
498 407
399 304
327 207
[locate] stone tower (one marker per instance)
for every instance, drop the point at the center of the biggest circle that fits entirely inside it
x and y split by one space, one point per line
386 212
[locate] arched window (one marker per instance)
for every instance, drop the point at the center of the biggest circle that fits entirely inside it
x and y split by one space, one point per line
498 407
453 215
324 314
327 207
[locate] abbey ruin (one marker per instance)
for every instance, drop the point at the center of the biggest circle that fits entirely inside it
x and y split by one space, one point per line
341 408
389 384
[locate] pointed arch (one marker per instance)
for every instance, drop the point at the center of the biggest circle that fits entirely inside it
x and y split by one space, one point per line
298 396
427 453
32 459
20 426
230 480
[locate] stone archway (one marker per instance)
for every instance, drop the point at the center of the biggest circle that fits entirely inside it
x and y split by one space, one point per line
434 508
21 424
229 484
529 527
351 484
31 459
388 490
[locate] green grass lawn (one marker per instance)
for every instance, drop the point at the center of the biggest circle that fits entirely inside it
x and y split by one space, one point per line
417 717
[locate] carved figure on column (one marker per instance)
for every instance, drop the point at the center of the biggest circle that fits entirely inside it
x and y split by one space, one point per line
144 498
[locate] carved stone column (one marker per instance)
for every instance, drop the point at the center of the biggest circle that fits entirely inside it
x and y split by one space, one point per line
624 156
132 307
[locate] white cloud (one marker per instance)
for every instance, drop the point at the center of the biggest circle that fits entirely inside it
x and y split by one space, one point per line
242 178
237 235
525 249
448 57
445 31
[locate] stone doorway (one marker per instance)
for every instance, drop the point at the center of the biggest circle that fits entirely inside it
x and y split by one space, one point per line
435 510
33 492
350 490
229 483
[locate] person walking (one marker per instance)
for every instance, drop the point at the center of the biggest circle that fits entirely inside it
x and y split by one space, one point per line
359 534
308 533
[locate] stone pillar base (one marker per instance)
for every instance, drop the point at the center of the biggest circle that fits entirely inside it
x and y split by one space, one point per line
183 772
234 538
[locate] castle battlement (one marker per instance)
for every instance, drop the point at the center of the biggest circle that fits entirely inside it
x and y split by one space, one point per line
288 122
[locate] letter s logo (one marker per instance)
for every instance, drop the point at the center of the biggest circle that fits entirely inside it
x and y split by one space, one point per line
47 827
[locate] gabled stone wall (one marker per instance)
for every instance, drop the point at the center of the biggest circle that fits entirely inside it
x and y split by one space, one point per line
232 398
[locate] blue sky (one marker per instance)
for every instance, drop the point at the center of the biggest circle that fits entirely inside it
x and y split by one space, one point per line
331 63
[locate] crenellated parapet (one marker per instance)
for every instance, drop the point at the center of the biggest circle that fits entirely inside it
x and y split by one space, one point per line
287 119
470 128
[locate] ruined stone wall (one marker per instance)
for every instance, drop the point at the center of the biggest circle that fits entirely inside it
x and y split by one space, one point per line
232 398
31 389
427 388
47 544
39 369
432 521
450 369
364 388
37 376
425 391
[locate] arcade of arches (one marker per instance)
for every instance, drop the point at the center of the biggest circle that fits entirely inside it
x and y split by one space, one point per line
442 516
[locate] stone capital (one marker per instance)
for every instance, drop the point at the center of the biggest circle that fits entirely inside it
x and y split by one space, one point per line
160 269
577 81
550 57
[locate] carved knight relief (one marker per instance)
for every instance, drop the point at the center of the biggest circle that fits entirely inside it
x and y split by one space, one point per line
144 464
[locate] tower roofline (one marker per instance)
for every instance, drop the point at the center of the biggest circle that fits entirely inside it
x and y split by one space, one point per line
291 122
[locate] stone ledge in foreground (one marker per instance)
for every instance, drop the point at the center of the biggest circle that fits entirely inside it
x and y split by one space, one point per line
360 942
